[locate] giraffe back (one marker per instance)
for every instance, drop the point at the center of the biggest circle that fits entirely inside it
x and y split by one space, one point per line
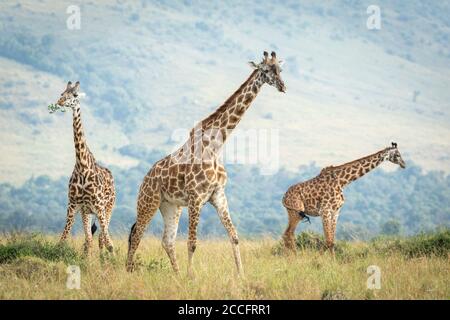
312 195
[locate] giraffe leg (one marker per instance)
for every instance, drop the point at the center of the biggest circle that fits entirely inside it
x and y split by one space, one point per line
101 241
86 217
146 209
289 233
194 215
104 233
329 220
71 209
220 203
171 215
109 208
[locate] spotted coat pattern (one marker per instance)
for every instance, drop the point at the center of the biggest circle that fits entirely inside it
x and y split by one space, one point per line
194 175
323 195
91 186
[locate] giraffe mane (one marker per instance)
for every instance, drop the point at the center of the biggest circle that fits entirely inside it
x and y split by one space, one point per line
333 168
225 105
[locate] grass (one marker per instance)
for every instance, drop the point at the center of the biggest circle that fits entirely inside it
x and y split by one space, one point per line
35 245
34 267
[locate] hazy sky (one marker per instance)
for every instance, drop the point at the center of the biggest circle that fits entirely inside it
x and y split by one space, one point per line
152 69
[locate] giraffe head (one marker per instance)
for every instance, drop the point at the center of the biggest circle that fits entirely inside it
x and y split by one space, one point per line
394 156
270 69
70 97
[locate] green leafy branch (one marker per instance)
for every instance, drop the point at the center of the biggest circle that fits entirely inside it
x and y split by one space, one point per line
52 108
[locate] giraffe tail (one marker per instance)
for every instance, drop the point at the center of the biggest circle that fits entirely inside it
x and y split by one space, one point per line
93 228
304 216
131 233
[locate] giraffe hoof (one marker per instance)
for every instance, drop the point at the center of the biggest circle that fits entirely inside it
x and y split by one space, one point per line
176 270
131 267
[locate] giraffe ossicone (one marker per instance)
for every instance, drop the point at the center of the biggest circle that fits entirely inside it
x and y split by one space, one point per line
194 174
323 195
91 186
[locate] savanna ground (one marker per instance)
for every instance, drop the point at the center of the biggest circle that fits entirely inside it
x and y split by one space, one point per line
34 267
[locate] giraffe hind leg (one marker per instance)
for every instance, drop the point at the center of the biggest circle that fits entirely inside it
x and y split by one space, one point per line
289 233
104 236
148 203
87 231
71 210
109 208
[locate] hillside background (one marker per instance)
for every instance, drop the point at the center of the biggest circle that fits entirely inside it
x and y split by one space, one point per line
152 68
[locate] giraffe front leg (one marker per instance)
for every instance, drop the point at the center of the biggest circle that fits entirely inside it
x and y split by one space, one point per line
71 209
171 215
329 220
220 203
194 215
87 231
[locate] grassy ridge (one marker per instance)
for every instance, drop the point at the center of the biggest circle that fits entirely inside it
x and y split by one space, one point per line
34 267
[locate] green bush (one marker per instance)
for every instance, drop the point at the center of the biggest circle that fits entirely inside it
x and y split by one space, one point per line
26 267
310 240
158 264
34 245
424 244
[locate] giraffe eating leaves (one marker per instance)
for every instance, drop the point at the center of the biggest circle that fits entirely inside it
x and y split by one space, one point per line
323 195
194 174
91 186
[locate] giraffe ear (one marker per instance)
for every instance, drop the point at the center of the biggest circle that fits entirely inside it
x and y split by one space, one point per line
76 87
280 63
266 58
253 65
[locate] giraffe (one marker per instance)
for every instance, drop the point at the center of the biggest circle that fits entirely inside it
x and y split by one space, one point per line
194 174
323 194
91 186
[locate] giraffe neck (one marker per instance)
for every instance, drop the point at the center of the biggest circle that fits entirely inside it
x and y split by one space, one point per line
230 113
354 170
83 156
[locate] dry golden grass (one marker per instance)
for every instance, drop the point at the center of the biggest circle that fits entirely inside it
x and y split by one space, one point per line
308 275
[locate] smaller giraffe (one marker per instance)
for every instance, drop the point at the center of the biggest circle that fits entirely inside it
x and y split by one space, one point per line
323 195
91 187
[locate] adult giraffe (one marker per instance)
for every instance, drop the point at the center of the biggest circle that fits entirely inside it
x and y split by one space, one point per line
91 186
323 195
194 175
